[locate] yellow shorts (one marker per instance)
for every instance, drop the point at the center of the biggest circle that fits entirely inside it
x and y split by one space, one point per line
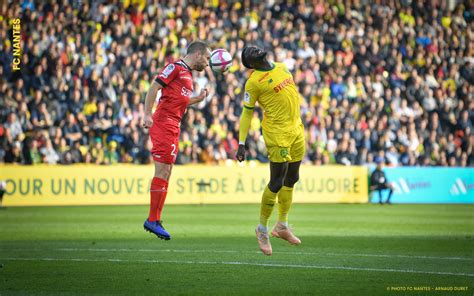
285 147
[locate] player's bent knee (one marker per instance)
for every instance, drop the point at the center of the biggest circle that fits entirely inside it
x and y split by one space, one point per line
290 181
275 184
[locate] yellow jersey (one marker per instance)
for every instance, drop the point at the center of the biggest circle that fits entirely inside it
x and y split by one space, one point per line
276 93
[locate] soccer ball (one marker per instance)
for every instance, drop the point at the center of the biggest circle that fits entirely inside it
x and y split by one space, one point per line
221 60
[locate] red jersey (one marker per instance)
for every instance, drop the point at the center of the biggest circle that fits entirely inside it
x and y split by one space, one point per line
177 81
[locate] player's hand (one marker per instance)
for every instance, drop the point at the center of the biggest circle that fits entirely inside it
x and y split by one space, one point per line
202 95
147 121
198 98
240 153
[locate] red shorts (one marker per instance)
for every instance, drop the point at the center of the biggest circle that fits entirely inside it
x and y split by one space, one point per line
165 140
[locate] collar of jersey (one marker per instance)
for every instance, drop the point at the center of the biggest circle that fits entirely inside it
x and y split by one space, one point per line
273 67
185 65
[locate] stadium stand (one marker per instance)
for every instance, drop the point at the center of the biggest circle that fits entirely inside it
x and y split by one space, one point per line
392 80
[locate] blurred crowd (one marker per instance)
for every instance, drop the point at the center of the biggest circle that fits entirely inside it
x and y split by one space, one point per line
391 79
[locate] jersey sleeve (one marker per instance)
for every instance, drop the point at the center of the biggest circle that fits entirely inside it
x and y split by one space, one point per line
251 94
167 74
250 97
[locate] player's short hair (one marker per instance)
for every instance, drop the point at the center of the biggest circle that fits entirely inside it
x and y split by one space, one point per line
196 46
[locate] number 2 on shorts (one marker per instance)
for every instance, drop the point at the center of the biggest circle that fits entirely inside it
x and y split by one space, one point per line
174 149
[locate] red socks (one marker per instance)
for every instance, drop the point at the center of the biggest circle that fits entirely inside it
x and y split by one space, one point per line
158 191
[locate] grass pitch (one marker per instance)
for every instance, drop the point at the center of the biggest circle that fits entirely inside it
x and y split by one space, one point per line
346 250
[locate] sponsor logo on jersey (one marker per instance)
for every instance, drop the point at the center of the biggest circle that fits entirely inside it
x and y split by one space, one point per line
282 85
247 97
186 92
167 71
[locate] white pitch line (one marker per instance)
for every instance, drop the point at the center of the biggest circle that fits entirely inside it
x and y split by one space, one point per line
256 252
245 264
248 252
401 256
151 250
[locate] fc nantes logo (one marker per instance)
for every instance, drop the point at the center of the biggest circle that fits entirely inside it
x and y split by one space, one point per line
283 152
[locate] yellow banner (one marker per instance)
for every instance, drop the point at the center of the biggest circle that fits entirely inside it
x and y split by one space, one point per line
189 184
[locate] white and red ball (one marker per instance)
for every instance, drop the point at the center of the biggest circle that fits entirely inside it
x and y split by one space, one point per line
220 61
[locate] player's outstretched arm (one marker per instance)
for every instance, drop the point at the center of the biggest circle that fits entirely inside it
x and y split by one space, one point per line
147 120
245 119
198 98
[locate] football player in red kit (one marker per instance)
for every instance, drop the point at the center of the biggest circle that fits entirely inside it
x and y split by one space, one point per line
175 81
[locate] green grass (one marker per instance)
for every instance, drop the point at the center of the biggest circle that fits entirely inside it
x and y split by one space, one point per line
346 250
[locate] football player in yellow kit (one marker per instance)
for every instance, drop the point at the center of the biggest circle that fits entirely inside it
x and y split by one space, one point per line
272 86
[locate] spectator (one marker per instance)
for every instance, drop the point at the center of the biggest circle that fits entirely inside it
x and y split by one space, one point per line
378 181
112 155
71 130
97 152
40 117
75 154
49 154
31 152
15 155
13 126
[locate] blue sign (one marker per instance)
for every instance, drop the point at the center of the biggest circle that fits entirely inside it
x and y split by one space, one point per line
430 185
